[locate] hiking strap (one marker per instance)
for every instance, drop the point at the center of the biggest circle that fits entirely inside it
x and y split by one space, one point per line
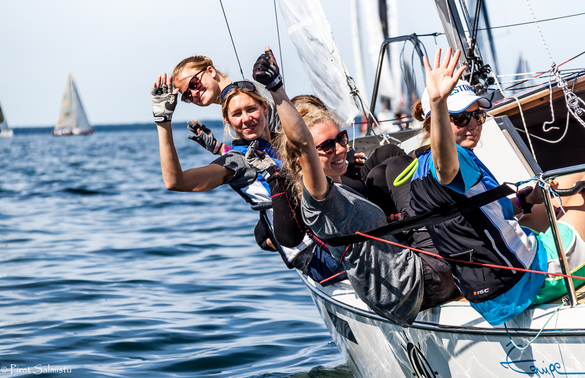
435 216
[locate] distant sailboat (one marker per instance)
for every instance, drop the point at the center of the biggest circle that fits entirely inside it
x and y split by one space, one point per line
5 131
72 119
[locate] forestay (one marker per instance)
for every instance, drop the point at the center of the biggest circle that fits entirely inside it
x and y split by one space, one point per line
311 33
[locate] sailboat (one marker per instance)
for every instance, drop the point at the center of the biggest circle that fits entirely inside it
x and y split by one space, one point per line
5 131
72 119
453 340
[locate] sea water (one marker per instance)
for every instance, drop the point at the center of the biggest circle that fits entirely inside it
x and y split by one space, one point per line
105 273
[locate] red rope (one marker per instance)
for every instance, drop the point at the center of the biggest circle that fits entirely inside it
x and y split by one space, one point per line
468 262
333 276
542 73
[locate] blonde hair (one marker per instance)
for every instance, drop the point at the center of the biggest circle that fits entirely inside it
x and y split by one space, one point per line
289 154
256 96
198 62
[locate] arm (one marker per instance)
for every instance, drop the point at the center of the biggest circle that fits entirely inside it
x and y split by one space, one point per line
440 82
205 138
164 97
299 135
266 71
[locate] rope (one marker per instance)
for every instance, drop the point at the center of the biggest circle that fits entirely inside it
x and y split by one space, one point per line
279 45
466 262
405 175
233 44
539 332
571 99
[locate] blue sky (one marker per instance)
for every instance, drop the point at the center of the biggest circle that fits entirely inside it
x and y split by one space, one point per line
115 49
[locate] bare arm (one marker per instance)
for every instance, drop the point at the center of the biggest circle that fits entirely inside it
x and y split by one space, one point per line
299 135
440 82
192 180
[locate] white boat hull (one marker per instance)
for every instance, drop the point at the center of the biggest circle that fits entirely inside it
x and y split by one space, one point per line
6 133
452 340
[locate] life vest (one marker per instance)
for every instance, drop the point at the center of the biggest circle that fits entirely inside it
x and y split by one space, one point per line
259 191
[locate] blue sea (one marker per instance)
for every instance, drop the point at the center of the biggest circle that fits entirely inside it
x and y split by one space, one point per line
105 273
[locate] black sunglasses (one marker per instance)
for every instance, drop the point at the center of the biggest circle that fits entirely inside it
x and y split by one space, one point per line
463 119
194 84
244 86
329 146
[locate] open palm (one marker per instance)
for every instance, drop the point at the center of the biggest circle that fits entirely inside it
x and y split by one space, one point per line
441 79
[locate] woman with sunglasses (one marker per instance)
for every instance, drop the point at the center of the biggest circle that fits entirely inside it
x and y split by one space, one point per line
449 171
200 83
244 112
390 280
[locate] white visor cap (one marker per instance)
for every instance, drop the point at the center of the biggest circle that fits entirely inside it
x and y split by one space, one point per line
460 99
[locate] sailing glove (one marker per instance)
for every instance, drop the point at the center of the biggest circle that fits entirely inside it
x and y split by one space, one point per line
266 72
204 137
164 102
261 161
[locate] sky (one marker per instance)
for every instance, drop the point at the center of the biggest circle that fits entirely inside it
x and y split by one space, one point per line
116 48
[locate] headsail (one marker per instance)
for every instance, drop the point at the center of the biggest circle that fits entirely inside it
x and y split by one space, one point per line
72 118
311 33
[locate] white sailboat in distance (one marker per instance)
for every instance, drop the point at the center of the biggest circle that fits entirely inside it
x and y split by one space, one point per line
72 119
5 131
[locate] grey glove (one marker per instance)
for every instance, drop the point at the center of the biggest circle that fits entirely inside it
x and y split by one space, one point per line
164 102
260 161
204 137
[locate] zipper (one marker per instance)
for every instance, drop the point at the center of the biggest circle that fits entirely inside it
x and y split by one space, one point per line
498 251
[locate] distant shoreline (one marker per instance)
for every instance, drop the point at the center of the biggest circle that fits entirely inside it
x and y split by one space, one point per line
111 127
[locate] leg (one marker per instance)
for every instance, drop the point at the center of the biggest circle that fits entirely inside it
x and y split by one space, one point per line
574 206
377 190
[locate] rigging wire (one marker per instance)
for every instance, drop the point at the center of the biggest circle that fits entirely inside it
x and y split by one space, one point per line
531 22
436 34
279 46
233 44
573 102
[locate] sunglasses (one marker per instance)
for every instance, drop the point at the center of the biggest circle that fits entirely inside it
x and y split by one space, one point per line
329 146
194 84
463 119
244 86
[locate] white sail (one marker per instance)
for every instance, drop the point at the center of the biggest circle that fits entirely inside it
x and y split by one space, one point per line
311 33
5 131
72 118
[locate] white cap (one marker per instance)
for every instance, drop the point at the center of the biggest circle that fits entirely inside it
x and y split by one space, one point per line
460 99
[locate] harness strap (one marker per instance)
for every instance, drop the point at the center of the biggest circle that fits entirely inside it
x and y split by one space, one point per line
435 216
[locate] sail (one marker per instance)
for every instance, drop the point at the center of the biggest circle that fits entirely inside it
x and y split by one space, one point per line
72 115
312 36
369 25
5 131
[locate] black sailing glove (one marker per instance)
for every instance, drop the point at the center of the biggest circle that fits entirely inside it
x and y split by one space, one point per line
266 72
164 102
204 137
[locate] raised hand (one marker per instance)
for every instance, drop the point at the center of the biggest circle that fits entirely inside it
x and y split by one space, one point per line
164 98
442 78
203 136
266 71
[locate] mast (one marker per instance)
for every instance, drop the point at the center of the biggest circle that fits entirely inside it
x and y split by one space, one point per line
460 35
